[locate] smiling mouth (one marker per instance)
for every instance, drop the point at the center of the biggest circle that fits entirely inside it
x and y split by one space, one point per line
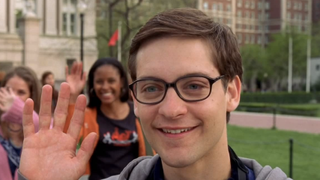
106 94
175 131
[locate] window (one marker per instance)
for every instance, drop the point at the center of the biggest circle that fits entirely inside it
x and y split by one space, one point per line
205 5
288 15
295 6
64 23
214 7
229 21
259 5
267 15
74 2
288 4
247 14
253 15
239 14
72 24
253 5
228 7
18 16
220 7
300 6
306 7
239 4
267 5
317 67
247 4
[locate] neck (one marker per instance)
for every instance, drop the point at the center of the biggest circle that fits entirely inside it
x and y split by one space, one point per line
215 165
117 110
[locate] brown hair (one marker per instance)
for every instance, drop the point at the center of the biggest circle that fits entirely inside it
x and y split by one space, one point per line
192 23
44 76
55 93
30 77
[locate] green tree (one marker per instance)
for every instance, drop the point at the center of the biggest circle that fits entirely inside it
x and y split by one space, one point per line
132 14
278 54
254 65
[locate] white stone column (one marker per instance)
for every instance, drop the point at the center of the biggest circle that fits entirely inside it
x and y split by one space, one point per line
39 12
30 34
12 17
51 17
3 16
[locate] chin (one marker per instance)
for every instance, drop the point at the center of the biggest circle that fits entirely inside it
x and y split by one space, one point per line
177 159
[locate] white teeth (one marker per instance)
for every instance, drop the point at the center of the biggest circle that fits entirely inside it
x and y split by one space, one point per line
177 131
106 94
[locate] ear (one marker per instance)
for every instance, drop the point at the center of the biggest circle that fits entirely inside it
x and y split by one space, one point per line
135 105
233 94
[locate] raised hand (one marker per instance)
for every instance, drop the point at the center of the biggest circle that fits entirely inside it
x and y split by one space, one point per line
76 79
51 154
7 97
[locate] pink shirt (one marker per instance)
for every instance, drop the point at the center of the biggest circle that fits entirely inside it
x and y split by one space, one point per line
14 115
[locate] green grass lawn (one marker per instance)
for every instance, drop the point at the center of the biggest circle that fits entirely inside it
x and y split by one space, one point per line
271 147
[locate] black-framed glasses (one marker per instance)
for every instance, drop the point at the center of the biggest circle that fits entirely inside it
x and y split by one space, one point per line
189 88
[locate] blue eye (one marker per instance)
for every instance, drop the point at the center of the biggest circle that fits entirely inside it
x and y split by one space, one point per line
193 86
151 89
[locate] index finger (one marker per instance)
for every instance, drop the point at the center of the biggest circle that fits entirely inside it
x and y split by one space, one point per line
27 122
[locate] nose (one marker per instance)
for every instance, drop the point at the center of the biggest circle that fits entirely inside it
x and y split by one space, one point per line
105 85
172 106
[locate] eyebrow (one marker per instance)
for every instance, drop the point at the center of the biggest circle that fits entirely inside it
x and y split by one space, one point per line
185 75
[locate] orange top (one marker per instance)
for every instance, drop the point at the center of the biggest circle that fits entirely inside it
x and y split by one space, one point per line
90 125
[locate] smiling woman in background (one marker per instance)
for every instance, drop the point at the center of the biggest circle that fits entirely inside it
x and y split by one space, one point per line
109 114
17 86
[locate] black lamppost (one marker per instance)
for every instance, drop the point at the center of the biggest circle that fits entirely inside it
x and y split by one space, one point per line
81 9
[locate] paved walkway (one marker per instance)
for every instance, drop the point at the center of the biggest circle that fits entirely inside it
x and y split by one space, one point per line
284 122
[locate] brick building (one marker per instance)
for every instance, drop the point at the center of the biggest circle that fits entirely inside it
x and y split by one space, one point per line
316 11
254 20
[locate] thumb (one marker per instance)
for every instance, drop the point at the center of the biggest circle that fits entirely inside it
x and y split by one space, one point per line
86 149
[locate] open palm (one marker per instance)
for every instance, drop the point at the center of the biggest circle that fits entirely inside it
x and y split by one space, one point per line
76 79
7 97
50 153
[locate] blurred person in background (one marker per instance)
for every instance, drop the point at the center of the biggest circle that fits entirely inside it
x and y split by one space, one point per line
48 78
110 114
17 86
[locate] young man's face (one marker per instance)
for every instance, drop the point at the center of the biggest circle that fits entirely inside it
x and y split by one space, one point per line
184 133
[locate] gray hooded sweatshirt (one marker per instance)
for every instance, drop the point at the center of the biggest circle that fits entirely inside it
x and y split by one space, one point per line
140 168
